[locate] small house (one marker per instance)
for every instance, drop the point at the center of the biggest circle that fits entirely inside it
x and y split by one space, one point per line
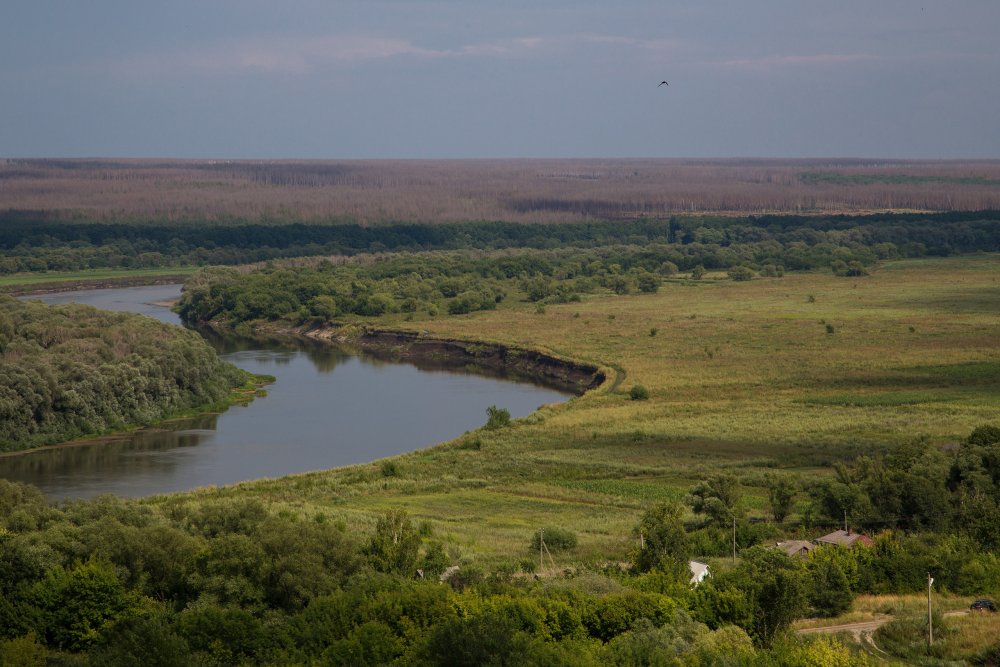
698 572
845 538
796 548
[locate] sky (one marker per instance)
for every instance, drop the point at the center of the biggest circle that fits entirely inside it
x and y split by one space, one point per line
356 79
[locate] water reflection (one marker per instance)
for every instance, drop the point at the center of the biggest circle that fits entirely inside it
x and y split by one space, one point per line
277 350
327 408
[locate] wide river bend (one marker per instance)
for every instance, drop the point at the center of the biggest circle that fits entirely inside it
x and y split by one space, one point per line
328 408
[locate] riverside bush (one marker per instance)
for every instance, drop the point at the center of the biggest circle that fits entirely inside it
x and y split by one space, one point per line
72 370
497 418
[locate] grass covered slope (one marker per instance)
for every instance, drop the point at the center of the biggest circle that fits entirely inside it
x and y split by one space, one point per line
791 374
70 371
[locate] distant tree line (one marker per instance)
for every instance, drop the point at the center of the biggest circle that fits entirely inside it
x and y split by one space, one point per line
72 370
35 242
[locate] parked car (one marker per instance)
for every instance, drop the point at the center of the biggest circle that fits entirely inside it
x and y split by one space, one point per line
983 605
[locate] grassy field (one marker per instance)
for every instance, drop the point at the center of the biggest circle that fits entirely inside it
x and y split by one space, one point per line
789 374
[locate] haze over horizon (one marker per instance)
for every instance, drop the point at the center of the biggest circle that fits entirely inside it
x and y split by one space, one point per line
430 79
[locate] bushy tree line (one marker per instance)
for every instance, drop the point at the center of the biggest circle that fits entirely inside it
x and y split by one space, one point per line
72 370
228 582
29 242
460 282
917 486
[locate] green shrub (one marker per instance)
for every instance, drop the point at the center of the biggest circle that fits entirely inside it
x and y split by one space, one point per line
740 273
638 393
556 539
497 418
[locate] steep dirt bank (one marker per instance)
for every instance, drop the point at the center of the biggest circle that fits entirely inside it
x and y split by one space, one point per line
429 353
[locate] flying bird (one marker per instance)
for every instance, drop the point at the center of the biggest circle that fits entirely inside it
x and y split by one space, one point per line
663 83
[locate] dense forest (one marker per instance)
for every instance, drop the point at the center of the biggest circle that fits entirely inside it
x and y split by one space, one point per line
36 242
70 371
228 581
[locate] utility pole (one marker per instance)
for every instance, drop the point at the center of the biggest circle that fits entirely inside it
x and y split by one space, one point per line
930 620
734 539
845 522
541 545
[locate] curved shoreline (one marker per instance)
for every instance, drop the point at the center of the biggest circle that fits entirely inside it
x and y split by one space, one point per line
428 352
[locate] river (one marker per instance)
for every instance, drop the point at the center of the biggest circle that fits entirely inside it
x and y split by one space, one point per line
328 408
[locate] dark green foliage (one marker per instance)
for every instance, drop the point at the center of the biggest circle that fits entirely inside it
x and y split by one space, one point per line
24 651
664 544
68 371
986 435
40 242
556 539
781 492
484 640
393 547
647 281
616 613
220 580
717 498
220 634
435 560
147 639
772 587
850 269
590 257
78 604
237 584
740 273
638 393
497 418
829 590
647 643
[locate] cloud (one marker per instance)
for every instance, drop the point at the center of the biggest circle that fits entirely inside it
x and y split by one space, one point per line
773 62
301 55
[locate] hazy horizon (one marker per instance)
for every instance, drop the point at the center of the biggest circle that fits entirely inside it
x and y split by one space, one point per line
439 79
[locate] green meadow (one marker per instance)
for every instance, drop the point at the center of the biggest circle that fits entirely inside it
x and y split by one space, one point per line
790 374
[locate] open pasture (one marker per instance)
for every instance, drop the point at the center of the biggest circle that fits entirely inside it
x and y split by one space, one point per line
742 376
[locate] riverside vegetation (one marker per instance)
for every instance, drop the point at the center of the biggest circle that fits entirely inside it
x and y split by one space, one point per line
776 398
71 371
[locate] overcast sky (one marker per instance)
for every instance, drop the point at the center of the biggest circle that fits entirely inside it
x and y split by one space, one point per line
501 78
